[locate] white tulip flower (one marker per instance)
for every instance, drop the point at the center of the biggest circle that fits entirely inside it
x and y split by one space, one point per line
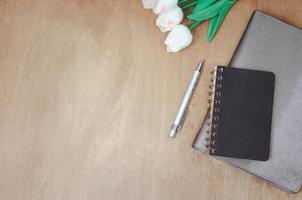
164 6
179 38
167 20
149 4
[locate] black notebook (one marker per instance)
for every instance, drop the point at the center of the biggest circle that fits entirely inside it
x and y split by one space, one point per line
241 103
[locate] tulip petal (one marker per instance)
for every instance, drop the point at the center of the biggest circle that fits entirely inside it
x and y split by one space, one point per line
167 20
164 6
208 12
180 37
216 21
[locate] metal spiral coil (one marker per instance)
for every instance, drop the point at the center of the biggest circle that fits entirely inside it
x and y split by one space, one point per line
214 109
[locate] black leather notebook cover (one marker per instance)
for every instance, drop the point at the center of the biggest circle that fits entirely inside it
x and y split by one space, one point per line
241 113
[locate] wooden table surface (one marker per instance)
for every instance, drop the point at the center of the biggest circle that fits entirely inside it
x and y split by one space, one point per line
87 96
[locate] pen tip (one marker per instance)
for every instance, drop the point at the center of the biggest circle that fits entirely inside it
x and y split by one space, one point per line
199 66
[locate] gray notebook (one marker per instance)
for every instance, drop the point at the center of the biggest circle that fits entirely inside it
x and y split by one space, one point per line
272 45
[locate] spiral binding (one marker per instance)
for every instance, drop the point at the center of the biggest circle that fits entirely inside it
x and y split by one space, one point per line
215 94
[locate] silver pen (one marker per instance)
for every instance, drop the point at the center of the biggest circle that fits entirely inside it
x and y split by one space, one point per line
184 106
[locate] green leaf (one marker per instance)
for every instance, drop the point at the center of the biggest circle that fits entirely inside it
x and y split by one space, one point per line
208 12
212 27
202 4
216 21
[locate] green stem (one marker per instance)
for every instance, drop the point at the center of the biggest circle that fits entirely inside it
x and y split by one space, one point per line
194 24
182 1
189 5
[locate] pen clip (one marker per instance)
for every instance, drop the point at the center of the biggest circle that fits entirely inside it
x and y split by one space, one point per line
184 118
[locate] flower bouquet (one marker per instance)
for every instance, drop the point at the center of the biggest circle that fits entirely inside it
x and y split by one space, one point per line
171 13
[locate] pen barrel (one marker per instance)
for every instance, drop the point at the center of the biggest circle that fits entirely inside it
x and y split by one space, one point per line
186 100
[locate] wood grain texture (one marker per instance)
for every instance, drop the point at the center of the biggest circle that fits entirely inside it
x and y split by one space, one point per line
87 96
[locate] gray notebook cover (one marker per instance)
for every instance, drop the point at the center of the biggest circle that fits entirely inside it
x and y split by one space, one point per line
272 45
